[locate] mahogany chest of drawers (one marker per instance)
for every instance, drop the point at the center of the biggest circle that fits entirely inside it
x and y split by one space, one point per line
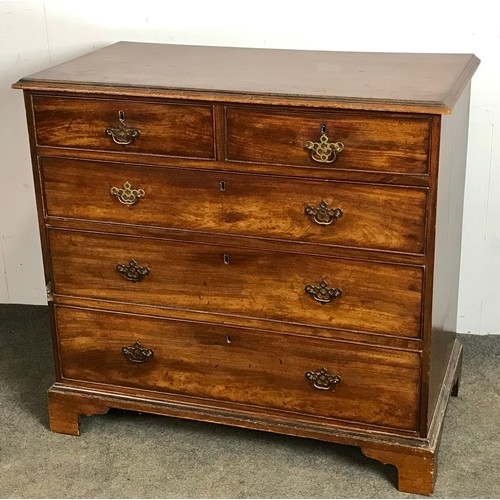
261 238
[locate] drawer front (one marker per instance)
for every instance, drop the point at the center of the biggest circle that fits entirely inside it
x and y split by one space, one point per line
377 386
276 286
330 213
378 142
151 128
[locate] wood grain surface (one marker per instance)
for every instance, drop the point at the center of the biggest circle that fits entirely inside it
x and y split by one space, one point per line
373 217
165 129
379 142
378 298
378 386
230 254
356 80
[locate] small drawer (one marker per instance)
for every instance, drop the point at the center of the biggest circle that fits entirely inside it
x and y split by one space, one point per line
363 384
331 213
378 142
363 296
125 126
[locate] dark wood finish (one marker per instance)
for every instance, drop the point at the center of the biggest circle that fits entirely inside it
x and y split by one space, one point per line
448 238
416 473
380 298
167 129
417 469
236 257
228 203
361 338
64 412
309 172
68 401
378 386
379 142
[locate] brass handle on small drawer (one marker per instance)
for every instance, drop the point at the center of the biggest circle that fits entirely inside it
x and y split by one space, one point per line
323 215
324 151
127 195
122 135
323 293
322 380
137 353
132 271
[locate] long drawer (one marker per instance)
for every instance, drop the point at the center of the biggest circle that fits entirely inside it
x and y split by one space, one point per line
359 383
179 130
278 286
330 213
378 142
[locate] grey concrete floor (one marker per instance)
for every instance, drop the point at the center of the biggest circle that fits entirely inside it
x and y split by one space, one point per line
131 455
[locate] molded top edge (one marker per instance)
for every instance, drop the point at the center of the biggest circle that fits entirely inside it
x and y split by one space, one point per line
408 82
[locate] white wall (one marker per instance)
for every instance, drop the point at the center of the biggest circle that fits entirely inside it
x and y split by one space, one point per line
36 34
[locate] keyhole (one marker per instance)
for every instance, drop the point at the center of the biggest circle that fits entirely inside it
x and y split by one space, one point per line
222 186
121 115
226 258
228 339
323 128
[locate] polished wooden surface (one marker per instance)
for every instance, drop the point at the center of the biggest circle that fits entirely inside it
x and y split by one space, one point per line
378 386
379 298
453 152
428 83
166 129
227 203
379 142
416 473
223 230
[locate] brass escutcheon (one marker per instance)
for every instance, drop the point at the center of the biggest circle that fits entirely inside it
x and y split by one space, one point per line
132 271
323 293
322 380
324 151
322 214
127 195
137 353
122 134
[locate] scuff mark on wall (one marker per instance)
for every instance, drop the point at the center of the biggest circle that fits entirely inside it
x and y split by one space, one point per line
47 32
4 269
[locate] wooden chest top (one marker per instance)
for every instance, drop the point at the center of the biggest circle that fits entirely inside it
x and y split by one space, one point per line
419 83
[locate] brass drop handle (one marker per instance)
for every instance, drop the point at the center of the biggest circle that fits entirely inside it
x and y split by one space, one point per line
322 380
128 195
137 354
324 151
322 214
132 271
122 134
323 293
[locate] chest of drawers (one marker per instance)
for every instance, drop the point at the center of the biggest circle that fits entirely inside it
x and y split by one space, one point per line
261 238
